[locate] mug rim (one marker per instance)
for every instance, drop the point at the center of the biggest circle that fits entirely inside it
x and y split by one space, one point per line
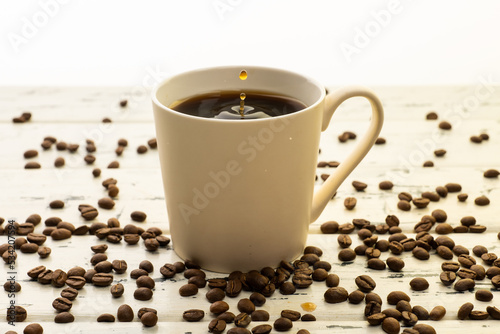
308 79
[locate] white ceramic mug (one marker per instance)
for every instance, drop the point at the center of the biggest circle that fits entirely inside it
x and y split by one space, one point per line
240 193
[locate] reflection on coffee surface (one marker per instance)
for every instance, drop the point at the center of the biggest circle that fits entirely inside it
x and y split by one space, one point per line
238 105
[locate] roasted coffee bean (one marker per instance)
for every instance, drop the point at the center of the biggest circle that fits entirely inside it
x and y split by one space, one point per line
117 290
69 293
62 304
56 204
322 265
464 311
479 250
453 187
420 202
359 186
490 173
59 278
382 245
380 141
371 308
131 239
493 312
143 293
193 315
32 165
33 328
106 203
346 254
484 295
64 318
60 234
350 203
151 244
302 281
495 280
262 329
88 275
447 277
466 260
395 296
420 312
376 319
404 205
336 295
489 258
360 249
106 317
150 319
478 315
393 313
245 305
260 315
219 307
45 277
346 228
76 282
390 325
287 288
119 266
445 241
102 279
409 318
188 290
98 257
365 283
103 267
33 273
242 320
382 228
329 227
395 263
396 247
459 250
464 284
11 286
291 314
238 330
477 228
282 324
444 252
431 196
332 280
405 196
319 275
419 284
403 305
29 248
385 185
344 240
376 264
194 272
138 216
444 125
492 272
356 297
466 273
70 227
442 191
372 296
437 313
479 271
420 253
462 197
17 314
444 228
125 313
482 200
361 223
215 294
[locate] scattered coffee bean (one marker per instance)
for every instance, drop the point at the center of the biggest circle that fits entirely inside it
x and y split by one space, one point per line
64 318
447 277
102 279
138 216
395 263
404 205
143 293
188 290
260 315
395 296
491 173
482 200
282 324
437 313
493 312
69 293
478 315
114 164
462 197
359 186
428 163
419 284
420 312
242 320
336 295
464 311
125 313
444 125
347 254
385 185
149 319
262 329
484 295
464 284
329 227
350 203
62 304
390 325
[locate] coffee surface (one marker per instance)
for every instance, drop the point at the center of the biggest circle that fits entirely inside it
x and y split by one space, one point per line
228 105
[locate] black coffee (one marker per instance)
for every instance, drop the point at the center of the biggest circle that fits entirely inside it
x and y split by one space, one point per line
231 105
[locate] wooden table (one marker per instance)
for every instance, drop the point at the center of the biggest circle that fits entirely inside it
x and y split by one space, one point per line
75 114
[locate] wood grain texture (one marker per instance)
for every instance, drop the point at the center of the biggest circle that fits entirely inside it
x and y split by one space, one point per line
74 114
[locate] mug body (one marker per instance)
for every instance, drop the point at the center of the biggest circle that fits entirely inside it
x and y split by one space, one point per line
238 192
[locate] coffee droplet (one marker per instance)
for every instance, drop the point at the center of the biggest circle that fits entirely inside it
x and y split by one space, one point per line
243 75
242 104
308 307
243 96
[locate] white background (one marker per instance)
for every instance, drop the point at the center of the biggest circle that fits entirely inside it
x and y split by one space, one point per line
119 42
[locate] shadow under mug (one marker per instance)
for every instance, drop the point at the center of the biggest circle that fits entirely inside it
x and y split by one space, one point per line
240 193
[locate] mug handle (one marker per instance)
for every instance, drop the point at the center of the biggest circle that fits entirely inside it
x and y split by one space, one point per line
332 102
